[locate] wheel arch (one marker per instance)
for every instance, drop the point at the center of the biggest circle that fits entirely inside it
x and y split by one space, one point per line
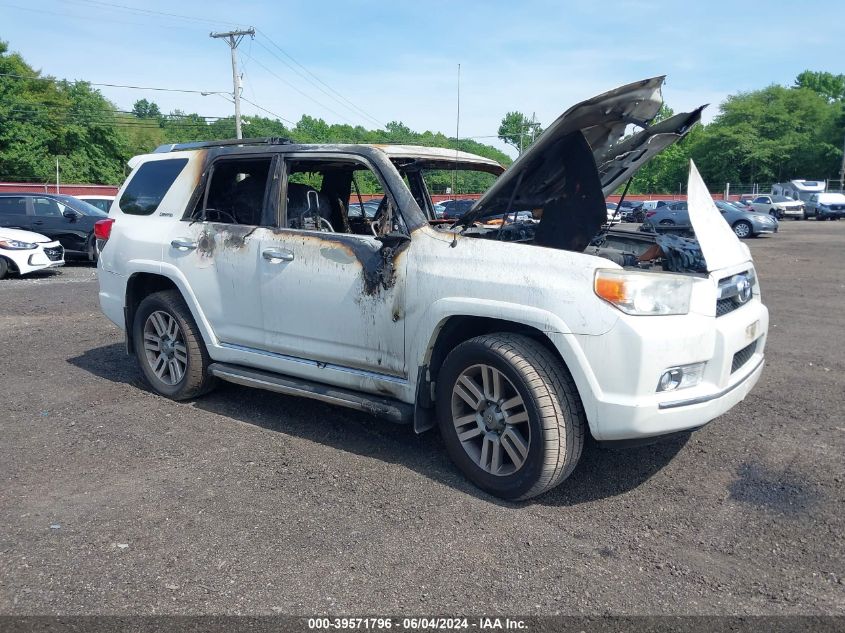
144 283
450 332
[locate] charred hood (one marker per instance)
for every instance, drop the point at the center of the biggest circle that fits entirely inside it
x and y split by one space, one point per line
581 158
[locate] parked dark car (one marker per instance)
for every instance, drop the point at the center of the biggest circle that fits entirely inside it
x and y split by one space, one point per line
675 216
63 218
454 209
632 211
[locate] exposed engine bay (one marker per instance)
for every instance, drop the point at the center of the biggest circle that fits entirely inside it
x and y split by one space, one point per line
629 249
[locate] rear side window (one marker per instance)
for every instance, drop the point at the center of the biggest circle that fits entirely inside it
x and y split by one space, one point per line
149 185
12 206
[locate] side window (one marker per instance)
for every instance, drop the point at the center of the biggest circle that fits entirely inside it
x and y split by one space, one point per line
12 206
149 185
761 200
338 196
236 192
47 208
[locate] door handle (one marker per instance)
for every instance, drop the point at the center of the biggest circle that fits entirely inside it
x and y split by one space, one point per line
183 244
38 222
277 255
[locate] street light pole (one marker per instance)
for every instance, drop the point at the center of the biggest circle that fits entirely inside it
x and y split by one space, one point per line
233 38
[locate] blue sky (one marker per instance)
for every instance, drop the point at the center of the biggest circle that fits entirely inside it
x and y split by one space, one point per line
398 60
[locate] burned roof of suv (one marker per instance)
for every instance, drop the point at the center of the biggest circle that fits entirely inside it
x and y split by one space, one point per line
406 155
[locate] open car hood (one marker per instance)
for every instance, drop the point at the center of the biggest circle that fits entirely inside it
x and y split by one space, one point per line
555 166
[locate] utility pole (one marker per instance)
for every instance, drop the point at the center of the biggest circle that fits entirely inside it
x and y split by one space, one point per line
842 170
57 174
233 38
457 135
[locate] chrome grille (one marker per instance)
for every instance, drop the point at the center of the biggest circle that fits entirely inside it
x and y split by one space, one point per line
54 254
734 292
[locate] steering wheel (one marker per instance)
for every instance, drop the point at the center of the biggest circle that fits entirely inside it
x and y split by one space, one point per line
221 213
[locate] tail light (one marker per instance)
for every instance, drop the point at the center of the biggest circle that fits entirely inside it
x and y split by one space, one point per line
102 228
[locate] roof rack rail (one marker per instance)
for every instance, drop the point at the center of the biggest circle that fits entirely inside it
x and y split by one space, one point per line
176 147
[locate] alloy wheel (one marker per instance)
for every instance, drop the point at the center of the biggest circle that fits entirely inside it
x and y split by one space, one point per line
491 420
742 229
164 347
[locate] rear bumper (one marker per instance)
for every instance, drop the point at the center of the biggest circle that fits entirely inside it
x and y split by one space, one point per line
112 295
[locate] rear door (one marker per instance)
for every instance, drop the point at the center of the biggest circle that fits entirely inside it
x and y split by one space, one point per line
13 213
217 248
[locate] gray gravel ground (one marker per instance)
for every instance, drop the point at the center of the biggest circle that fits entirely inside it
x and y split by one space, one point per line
117 501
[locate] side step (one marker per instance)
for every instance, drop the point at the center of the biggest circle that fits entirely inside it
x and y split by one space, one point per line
379 406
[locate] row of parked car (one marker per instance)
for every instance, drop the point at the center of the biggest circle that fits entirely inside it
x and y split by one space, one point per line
749 216
40 230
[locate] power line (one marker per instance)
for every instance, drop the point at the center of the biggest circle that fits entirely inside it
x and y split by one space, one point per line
149 11
306 95
278 116
92 83
339 98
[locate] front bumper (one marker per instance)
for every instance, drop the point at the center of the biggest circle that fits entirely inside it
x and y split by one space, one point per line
624 366
31 260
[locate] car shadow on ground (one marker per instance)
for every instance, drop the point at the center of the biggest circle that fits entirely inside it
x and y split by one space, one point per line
600 474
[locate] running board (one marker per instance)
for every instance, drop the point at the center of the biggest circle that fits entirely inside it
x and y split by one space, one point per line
379 406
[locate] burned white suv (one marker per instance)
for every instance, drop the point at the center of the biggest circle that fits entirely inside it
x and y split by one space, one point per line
322 271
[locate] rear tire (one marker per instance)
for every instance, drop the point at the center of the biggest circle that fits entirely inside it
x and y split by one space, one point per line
510 415
169 347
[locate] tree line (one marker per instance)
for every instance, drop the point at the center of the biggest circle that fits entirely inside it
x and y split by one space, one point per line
767 135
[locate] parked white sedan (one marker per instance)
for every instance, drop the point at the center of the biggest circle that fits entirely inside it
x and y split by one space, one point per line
778 206
25 252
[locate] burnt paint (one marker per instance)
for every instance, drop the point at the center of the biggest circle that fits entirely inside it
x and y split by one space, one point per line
378 266
234 237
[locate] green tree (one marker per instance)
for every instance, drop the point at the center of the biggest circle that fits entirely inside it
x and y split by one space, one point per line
828 85
518 130
44 119
771 135
144 109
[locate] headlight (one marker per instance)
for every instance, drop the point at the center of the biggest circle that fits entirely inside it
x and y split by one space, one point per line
15 245
642 293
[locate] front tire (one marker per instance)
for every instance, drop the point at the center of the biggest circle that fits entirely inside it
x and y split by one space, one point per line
510 415
4 267
742 229
169 347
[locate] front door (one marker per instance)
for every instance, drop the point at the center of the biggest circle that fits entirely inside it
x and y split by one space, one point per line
332 291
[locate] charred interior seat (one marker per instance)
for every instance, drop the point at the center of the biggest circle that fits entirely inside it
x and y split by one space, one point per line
306 206
248 200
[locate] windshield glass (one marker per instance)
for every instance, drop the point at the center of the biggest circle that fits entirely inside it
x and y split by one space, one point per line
83 207
457 183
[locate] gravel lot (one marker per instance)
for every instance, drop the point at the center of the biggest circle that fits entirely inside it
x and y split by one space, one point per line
117 501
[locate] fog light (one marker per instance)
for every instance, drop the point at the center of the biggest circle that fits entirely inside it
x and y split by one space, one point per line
681 377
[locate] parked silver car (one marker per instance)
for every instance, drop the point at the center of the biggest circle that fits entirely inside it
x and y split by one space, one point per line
675 216
826 206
